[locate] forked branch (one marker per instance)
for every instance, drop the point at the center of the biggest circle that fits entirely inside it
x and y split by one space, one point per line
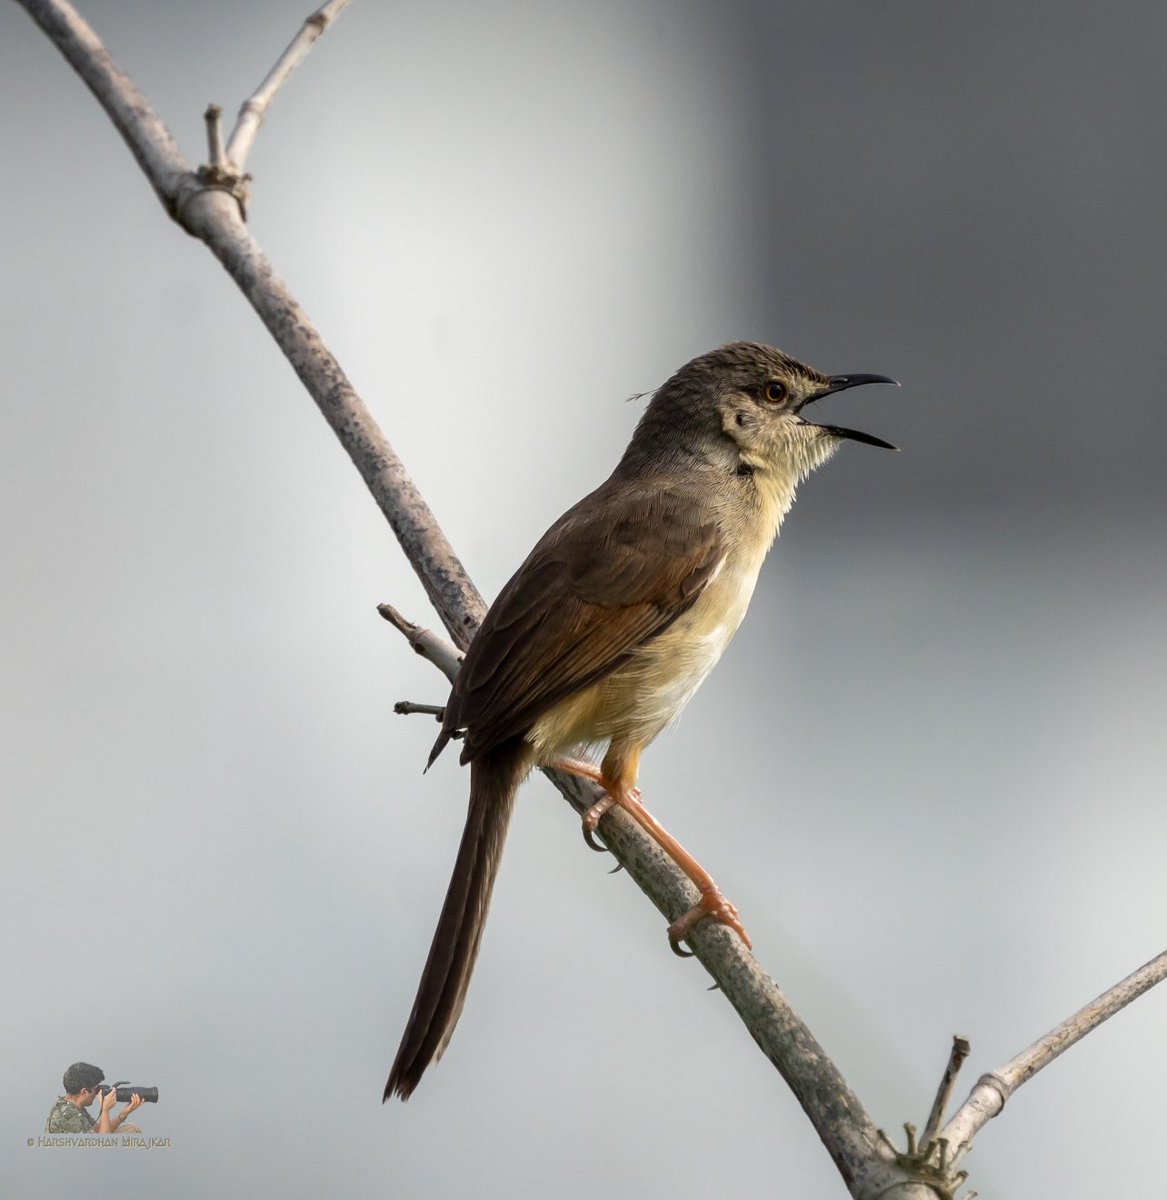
988 1097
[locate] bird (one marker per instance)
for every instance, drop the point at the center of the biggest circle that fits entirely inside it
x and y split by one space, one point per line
612 622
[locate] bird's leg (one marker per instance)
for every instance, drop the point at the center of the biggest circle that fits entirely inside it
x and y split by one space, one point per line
617 778
591 818
586 770
576 766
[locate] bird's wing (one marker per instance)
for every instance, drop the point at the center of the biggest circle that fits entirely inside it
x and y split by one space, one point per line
610 575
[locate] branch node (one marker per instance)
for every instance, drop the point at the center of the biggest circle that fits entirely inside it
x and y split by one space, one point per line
991 1079
929 1163
217 174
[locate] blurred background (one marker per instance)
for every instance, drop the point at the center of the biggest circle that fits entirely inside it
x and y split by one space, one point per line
929 770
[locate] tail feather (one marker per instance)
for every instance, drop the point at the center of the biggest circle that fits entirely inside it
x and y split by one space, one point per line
494 778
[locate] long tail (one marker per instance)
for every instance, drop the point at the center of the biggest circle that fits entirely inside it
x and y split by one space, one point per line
494 779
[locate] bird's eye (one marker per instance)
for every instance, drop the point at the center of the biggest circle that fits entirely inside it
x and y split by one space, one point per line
775 392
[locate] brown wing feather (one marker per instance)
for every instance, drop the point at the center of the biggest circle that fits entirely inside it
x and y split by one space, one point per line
611 574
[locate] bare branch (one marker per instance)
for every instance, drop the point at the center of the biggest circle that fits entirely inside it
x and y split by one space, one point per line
215 218
988 1097
142 129
833 1109
254 109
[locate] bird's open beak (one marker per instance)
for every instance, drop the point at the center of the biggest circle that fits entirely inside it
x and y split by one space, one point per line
839 383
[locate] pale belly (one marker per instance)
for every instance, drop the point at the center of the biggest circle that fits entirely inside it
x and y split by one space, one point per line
633 704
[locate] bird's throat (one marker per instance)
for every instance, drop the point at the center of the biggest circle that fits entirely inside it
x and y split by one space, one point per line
775 482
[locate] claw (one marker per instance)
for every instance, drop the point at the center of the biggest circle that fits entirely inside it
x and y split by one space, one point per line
589 837
675 947
617 867
591 819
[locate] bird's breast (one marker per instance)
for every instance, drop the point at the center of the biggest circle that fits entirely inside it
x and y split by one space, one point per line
649 691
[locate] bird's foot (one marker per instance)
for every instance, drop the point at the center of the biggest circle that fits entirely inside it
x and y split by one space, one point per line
591 820
712 904
591 817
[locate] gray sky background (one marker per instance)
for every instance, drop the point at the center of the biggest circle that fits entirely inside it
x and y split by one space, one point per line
930 769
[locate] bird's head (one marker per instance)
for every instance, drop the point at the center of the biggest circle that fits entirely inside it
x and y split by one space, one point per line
745 404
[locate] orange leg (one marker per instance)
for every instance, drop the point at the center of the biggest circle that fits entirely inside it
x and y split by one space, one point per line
617 776
576 766
591 818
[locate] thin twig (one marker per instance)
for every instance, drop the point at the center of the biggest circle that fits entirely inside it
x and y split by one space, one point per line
254 108
988 1097
407 708
959 1052
424 642
214 119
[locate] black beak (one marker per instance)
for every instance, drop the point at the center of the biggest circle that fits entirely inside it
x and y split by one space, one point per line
840 383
